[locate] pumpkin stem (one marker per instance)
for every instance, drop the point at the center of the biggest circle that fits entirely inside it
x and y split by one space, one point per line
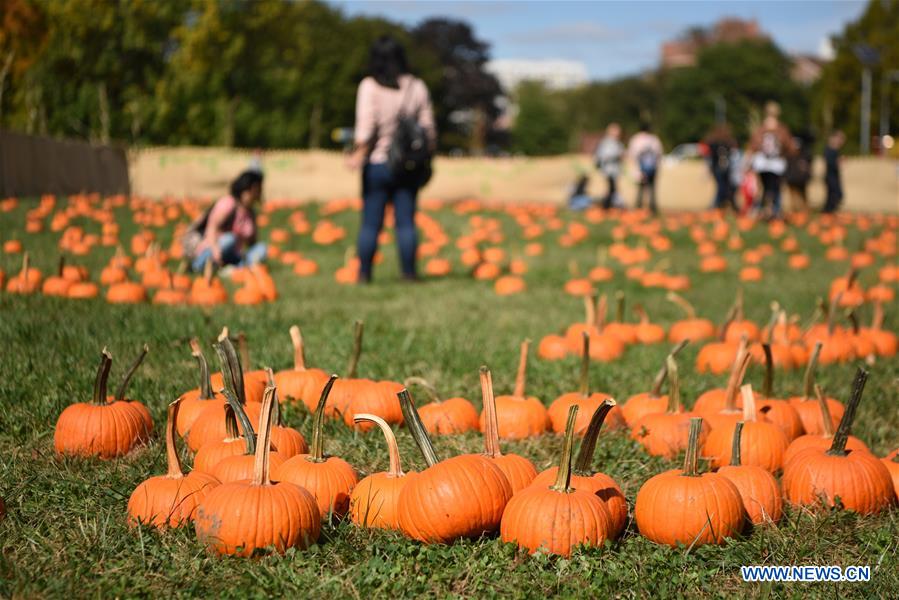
588 444
838 448
585 365
60 265
877 317
102 377
262 466
521 376
357 350
738 372
748 403
249 433
826 417
26 263
735 457
207 272
123 386
318 422
682 303
662 375
641 314
722 330
276 407
589 311
619 306
393 451
832 313
809 378
853 320
171 452
491 426
738 305
424 383
601 311
232 370
205 384
768 383
417 428
691 460
244 350
563 478
299 357
673 385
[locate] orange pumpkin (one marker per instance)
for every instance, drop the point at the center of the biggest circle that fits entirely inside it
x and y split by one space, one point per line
517 469
518 415
763 444
192 403
444 417
759 490
823 440
807 406
300 383
692 328
652 402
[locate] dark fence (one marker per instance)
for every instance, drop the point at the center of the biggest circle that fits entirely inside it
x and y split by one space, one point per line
33 165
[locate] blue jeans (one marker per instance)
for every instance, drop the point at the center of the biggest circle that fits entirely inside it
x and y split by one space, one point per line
231 255
770 193
379 187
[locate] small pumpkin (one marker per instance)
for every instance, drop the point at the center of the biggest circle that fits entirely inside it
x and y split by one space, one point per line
647 332
683 506
300 383
559 517
517 469
444 417
247 517
891 460
373 502
759 490
807 406
691 328
774 410
856 479
169 500
652 402
193 402
518 415
823 440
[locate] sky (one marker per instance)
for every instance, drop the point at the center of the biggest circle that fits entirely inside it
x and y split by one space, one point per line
615 38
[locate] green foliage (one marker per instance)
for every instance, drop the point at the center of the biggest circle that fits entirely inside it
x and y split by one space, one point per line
541 126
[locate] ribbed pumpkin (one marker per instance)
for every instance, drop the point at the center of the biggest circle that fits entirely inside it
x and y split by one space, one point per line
891 460
208 289
27 281
666 434
647 332
195 401
773 410
585 478
330 479
586 400
169 500
519 416
683 506
807 405
444 417
652 402
105 427
720 405
556 518
857 479
286 441
300 383
461 497
373 502
625 332
518 470
885 342
759 490
213 452
821 441
693 328
248 517
764 444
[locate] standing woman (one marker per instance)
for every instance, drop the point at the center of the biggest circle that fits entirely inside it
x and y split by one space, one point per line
391 106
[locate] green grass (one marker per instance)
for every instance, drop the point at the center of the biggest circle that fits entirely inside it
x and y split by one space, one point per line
65 532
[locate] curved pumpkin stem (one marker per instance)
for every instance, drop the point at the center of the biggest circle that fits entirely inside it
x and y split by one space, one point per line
748 403
589 311
809 377
123 386
261 466
722 329
425 384
205 383
102 376
662 375
735 452
588 446
232 431
393 451
691 459
491 426
276 407
317 453
832 313
826 417
738 372
682 303
521 376
171 451
877 316
417 428
673 386
353 365
768 383
232 370
641 313
738 305
585 365
249 433
838 447
619 306
299 357
563 478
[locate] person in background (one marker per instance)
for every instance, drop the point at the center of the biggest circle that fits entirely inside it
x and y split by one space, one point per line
770 146
388 94
608 156
578 199
645 150
832 178
226 233
721 145
799 172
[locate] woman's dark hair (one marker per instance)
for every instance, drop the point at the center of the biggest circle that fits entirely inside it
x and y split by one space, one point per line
245 181
387 61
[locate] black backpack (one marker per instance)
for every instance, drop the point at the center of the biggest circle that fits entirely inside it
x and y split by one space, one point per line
409 154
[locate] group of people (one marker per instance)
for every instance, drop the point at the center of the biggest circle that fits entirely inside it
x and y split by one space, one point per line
773 157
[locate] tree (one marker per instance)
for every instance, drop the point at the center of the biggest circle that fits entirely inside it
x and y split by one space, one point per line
540 126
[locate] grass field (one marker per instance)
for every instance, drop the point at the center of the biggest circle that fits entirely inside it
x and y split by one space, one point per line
65 532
